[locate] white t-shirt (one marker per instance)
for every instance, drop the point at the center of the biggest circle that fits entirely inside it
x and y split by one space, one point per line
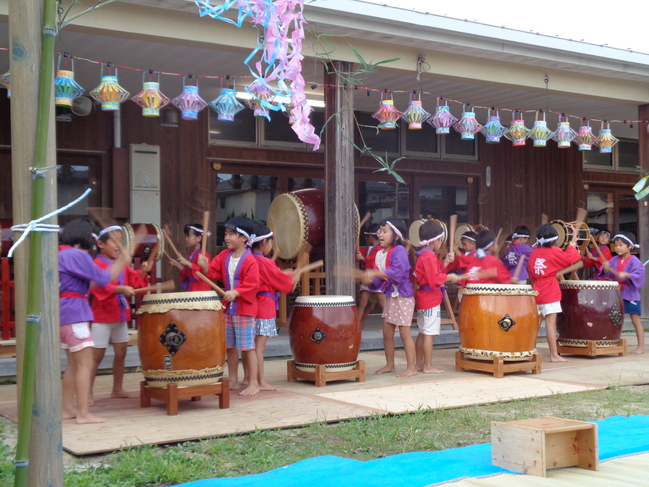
381 258
232 267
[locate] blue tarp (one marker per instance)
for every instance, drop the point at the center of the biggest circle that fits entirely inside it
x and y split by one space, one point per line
617 436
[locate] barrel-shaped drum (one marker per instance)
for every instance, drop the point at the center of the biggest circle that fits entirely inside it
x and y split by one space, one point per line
592 311
413 230
565 231
181 338
325 330
140 239
7 235
498 320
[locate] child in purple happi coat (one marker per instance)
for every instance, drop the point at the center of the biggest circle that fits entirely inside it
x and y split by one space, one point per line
517 250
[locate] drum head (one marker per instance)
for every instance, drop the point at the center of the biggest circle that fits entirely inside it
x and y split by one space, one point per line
461 228
197 300
324 301
290 222
128 239
564 232
499 289
413 231
480 227
570 284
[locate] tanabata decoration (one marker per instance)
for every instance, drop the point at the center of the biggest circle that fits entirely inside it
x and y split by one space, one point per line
226 105
261 101
467 126
540 132
66 88
109 92
606 140
189 101
5 80
151 99
564 134
415 115
387 115
638 188
517 132
443 119
585 137
493 130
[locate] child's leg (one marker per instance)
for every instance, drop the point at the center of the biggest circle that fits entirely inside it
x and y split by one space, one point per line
260 346
84 366
119 364
249 359
409 347
551 334
388 347
97 357
419 351
245 329
233 367
639 332
69 408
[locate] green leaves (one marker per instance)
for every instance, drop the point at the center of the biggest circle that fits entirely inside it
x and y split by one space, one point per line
366 67
387 166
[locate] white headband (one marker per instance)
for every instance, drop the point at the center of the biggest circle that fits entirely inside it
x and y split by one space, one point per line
261 237
481 251
395 229
516 235
423 243
467 237
198 230
627 239
542 241
112 228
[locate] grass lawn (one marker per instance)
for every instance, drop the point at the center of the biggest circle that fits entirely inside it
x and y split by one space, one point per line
360 439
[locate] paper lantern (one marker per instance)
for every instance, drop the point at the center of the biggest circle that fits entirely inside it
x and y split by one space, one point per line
66 88
540 132
387 115
606 140
564 134
5 80
443 120
260 99
415 115
189 101
467 126
518 132
109 92
493 130
226 105
585 137
151 99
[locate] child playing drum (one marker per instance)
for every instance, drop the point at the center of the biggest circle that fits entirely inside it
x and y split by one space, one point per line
517 251
593 259
459 263
368 257
193 239
628 270
484 267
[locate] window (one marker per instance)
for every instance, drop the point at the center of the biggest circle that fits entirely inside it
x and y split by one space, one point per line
420 142
242 131
624 158
383 200
377 140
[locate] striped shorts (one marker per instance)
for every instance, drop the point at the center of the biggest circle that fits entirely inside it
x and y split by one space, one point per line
266 327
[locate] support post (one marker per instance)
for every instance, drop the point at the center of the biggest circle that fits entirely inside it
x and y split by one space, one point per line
340 231
643 205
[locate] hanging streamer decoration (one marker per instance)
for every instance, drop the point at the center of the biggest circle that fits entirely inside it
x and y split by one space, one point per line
189 101
585 137
415 115
493 130
109 92
66 88
443 119
540 132
5 80
564 134
387 115
151 99
518 132
606 140
467 126
226 105
281 53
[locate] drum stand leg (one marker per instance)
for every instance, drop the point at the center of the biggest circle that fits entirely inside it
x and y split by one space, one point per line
592 350
320 376
497 366
172 393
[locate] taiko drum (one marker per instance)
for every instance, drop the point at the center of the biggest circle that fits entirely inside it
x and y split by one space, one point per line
7 235
325 330
181 338
140 239
498 320
592 311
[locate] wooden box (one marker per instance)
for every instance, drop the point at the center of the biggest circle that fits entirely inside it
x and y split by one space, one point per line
533 446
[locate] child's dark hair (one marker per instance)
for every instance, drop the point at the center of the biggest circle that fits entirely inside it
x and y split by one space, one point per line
192 227
484 238
430 229
241 223
79 232
372 229
399 225
602 232
260 231
521 231
469 235
626 237
546 232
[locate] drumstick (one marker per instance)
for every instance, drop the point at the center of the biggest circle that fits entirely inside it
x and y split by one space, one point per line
207 281
165 232
276 250
571 268
310 267
519 267
545 219
500 231
367 216
352 272
599 252
163 286
582 213
154 252
206 223
451 233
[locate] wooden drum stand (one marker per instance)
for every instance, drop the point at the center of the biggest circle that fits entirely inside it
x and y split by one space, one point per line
172 393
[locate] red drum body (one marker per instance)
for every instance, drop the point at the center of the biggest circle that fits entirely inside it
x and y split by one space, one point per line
140 239
299 217
593 311
413 231
181 338
325 330
498 320
7 235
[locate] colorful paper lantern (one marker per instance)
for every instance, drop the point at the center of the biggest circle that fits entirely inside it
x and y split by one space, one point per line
66 88
415 115
518 133
467 126
585 137
606 140
260 100
189 101
387 115
5 80
443 119
493 130
151 99
540 132
109 92
226 105
564 134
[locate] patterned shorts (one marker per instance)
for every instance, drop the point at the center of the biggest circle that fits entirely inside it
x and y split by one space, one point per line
240 332
266 327
399 310
429 321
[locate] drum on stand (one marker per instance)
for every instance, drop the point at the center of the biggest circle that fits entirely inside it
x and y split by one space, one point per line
300 217
498 320
592 311
7 235
413 230
325 330
459 230
565 232
140 239
181 339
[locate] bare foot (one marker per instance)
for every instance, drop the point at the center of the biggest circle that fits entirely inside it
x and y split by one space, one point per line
91 401
68 414
638 351
244 383
433 370
407 373
234 386
251 390
90 418
123 393
557 358
386 370
265 386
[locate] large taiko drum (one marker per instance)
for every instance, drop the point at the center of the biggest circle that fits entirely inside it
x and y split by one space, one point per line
181 338
299 217
7 235
325 330
413 231
498 320
140 239
565 231
593 311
